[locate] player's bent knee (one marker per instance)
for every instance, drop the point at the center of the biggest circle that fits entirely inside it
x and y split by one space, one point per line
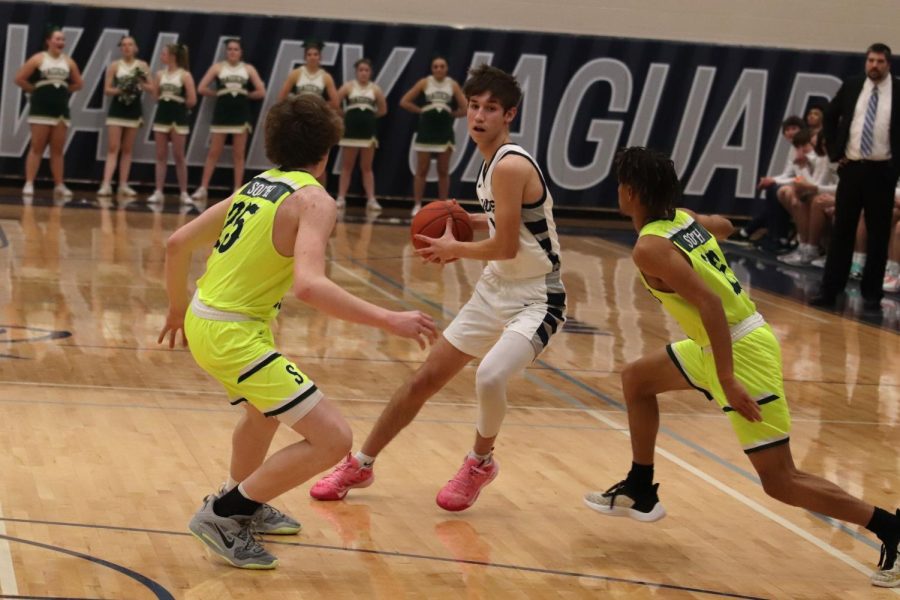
631 380
780 486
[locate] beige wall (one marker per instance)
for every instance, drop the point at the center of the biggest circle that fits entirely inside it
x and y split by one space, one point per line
807 24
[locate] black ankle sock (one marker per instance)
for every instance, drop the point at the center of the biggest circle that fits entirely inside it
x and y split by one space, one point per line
885 525
640 476
234 503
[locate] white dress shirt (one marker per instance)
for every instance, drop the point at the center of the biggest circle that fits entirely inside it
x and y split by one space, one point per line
881 144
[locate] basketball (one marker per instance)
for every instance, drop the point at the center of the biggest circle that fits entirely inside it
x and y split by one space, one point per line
432 219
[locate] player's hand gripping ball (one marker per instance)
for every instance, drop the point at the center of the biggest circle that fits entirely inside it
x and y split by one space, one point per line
431 221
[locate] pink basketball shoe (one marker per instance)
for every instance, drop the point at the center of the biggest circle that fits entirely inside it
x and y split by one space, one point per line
462 491
346 476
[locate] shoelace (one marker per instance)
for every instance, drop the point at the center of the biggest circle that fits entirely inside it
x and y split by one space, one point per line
887 559
614 491
251 544
456 483
344 466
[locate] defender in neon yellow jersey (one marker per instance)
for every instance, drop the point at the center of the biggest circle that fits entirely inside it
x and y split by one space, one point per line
268 239
731 355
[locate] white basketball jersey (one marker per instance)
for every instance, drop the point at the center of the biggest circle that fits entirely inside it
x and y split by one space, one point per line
538 252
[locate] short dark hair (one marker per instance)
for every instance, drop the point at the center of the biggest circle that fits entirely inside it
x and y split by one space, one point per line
651 175
499 84
300 130
363 61
802 138
312 44
879 48
235 40
793 121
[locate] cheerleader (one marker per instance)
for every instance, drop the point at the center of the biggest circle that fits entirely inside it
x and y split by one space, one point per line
50 77
175 90
311 78
365 103
232 79
126 79
434 135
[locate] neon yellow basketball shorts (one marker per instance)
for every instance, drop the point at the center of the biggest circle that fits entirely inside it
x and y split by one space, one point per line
757 365
241 356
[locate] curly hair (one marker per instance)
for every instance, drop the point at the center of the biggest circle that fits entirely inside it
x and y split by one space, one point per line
300 130
500 84
652 176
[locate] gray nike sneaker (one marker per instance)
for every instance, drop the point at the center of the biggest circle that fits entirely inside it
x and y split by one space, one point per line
269 520
231 539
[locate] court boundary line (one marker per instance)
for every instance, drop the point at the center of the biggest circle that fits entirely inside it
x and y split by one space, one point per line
708 415
798 530
8 583
386 553
155 588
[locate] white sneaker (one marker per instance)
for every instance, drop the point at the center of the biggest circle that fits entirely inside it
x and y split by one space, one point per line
28 189
792 258
156 196
185 199
105 190
891 283
819 263
126 190
62 191
415 209
372 204
888 573
341 202
199 194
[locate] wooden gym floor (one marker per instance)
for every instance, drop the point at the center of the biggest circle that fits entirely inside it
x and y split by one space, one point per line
108 442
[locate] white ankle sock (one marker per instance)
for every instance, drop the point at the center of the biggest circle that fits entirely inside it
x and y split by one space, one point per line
484 458
231 484
364 459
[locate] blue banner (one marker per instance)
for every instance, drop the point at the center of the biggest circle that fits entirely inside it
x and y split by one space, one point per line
715 109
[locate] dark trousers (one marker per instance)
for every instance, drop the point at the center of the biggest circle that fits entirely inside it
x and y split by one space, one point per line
868 187
770 214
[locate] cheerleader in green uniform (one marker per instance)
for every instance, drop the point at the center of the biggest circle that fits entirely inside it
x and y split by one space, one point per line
434 136
233 79
311 78
50 77
365 103
126 79
175 90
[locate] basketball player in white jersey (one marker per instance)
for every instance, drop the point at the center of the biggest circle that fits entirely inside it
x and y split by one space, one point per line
518 304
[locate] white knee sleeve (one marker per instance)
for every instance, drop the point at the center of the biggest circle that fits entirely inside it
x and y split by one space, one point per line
509 356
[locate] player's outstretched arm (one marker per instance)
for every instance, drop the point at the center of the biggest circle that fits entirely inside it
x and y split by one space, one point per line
202 231
717 225
312 285
659 259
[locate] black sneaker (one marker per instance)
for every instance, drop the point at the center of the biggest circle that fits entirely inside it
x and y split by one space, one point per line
621 501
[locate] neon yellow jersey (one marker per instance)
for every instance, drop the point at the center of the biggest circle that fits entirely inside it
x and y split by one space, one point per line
245 273
706 258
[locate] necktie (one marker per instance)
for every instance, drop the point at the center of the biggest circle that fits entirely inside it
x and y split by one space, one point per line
868 132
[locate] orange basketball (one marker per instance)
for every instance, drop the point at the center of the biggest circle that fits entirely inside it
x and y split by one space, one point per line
432 219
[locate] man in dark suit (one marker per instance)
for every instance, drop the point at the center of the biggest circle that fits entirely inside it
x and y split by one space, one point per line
862 133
